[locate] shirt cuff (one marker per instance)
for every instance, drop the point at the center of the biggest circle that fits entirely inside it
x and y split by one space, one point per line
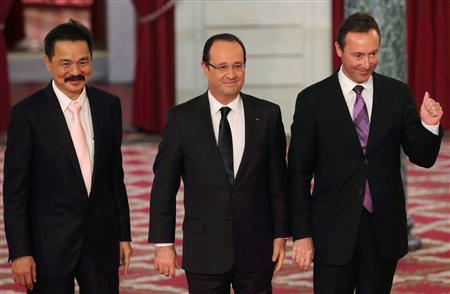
163 244
432 128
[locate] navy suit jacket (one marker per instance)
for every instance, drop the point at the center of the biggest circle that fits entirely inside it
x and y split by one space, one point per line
224 225
47 211
325 146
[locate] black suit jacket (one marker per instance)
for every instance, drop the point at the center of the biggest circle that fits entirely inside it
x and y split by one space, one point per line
325 146
46 208
223 225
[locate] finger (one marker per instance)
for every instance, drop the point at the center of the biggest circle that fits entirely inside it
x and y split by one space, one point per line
172 271
126 262
280 261
277 267
21 280
121 253
308 261
28 280
299 258
33 272
294 254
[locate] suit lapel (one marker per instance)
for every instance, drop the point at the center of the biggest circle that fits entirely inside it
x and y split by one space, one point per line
380 109
342 118
97 126
58 129
252 122
206 137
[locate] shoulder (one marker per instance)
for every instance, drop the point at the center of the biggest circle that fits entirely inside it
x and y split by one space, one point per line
325 85
259 103
101 95
380 80
190 107
32 101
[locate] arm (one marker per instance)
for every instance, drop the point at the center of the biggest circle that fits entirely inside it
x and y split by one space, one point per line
117 176
278 191
421 145
167 169
17 198
119 191
278 179
17 185
301 164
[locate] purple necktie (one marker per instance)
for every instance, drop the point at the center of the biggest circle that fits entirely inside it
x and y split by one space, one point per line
362 126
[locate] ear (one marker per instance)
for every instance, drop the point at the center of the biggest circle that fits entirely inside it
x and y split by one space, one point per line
204 68
338 48
48 63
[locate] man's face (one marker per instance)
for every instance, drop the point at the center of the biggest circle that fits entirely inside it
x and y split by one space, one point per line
70 66
360 55
226 72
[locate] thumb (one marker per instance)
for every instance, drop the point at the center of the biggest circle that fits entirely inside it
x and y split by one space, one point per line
275 253
426 96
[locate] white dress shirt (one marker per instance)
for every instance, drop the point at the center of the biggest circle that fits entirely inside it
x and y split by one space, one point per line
347 86
236 119
85 117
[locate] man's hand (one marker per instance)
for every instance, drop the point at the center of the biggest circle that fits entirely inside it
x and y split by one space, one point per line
303 253
166 260
24 271
125 255
430 111
279 249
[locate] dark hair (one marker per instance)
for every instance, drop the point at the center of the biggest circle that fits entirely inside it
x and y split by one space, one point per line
224 37
69 31
358 22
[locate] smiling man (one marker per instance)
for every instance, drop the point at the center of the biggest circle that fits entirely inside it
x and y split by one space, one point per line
65 203
347 133
229 149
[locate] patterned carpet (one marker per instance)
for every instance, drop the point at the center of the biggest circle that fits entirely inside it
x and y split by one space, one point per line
423 271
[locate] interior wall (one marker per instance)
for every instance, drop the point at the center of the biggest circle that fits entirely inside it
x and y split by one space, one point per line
288 46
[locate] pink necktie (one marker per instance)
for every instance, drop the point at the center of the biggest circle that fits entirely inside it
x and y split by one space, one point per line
80 144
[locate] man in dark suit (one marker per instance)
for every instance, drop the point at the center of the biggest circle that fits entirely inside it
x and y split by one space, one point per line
229 148
347 134
65 204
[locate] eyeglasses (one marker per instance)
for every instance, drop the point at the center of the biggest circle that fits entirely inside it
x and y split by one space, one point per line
224 68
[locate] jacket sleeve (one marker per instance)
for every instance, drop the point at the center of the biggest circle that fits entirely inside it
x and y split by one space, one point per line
420 145
17 184
119 190
301 164
167 169
278 178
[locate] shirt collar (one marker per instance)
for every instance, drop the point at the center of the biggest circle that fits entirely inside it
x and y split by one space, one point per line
235 104
347 84
64 100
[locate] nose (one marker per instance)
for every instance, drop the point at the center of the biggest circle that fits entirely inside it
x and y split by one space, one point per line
231 74
74 69
366 62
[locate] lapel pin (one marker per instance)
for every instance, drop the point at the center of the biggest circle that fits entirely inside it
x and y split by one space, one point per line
257 119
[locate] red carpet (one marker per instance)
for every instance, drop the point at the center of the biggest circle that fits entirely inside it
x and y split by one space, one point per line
424 271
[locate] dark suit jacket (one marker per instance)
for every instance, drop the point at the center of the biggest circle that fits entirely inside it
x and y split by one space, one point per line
223 225
325 145
47 211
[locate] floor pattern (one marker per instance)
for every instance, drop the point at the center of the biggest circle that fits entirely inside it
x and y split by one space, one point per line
423 271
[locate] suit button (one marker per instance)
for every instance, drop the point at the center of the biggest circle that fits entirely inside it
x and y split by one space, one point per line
366 161
229 220
360 191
